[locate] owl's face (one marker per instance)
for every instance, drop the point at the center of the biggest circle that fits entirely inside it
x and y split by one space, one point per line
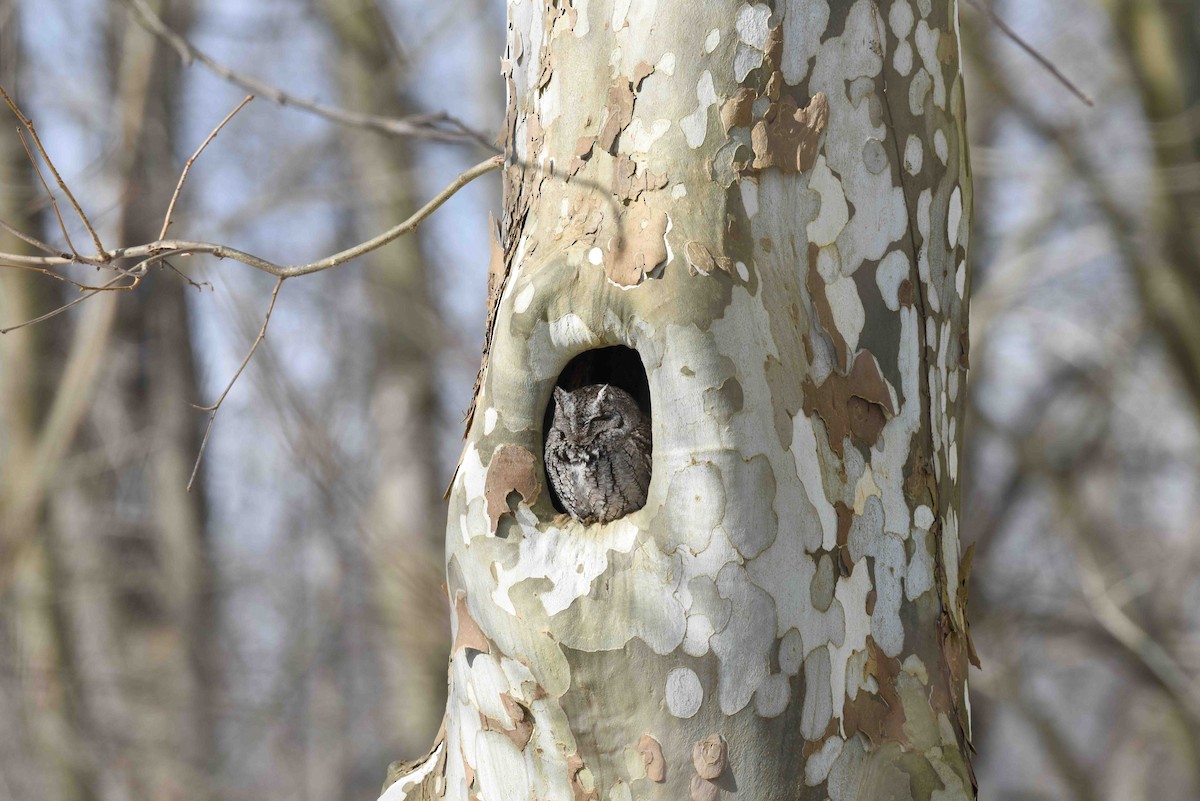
591 416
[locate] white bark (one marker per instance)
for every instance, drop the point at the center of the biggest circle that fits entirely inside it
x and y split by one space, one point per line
770 205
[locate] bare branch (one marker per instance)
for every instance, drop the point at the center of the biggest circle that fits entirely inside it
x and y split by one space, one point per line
109 287
188 166
439 127
53 200
59 277
37 140
1046 63
214 408
29 240
199 286
154 252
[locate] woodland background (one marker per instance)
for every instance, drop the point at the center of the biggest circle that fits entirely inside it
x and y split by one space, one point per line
280 631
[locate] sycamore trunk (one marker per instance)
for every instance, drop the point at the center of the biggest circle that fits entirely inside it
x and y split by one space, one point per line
769 205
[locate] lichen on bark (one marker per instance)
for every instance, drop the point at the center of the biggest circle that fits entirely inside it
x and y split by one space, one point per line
770 204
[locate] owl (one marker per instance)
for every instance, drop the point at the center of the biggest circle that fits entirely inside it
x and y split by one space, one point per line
598 452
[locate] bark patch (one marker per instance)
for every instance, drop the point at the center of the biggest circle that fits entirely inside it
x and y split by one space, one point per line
820 300
511 470
639 245
631 180
789 138
879 716
469 634
576 770
652 758
702 261
858 404
738 111
620 113
709 756
521 732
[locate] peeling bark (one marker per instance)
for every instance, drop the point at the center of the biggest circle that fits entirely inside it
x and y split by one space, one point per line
784 618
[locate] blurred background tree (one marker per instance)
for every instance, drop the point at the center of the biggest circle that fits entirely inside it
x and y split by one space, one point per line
280 631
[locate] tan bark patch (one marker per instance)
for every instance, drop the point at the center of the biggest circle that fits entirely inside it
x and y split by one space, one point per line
709 756
858 404
789 139
638 246
536 134
521 732
641 72
583 152
620 113
511 470
652 758
631 180
575 768
738 111
879 716
702 261
469 634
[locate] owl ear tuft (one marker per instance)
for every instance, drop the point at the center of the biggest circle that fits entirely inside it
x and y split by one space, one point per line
602 395
561 396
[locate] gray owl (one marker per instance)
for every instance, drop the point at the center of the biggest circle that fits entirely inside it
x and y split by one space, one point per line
598 452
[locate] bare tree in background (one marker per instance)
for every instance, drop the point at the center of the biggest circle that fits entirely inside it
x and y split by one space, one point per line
126 562
405 544
1085 480
27 437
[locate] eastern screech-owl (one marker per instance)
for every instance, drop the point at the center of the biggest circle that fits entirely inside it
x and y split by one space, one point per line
598 452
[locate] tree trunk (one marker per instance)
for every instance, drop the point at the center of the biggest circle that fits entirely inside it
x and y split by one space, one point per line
770 207
33 760
135 615
1160 42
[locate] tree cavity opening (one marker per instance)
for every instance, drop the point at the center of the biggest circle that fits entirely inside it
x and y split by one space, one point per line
617 366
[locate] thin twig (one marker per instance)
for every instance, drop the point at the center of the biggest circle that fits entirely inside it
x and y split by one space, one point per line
199 285
59 276
188 166
53 200
438 127
156 251
37 140
1046 63
105 288
29 240
214 408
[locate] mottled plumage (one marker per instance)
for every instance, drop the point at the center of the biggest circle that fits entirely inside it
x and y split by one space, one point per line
598 452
